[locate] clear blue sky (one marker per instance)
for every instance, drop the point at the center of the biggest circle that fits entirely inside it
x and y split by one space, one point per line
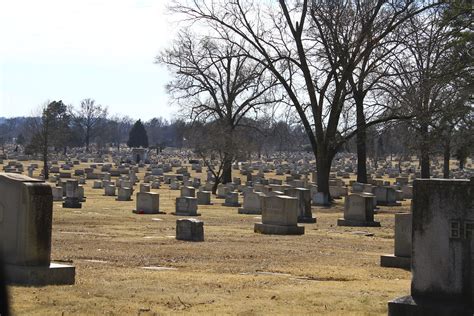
76 49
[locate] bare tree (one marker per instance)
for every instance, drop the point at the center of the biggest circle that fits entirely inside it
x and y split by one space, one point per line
209 142
423 77
312 48
90 117
215 80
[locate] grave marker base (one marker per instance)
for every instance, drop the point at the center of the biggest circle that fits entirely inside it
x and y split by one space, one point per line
55 274
409 306
389 203
244 211
392 261
205 203
189 229
309 220
348 222
232 204
185 214
123 199
278 230
72 203
147 212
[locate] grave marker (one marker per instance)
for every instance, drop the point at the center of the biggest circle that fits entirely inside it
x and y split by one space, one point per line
442 250
26 212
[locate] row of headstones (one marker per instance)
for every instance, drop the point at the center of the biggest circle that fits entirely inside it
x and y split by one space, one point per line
125 191
441 256
358 207
440 241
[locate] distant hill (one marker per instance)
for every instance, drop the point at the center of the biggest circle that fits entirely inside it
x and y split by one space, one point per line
2 119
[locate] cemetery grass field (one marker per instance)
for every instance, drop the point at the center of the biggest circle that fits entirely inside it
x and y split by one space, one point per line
329 270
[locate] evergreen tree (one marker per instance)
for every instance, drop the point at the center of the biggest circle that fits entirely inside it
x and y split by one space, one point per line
138 136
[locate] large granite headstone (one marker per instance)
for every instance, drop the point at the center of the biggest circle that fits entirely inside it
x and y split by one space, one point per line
442 250
358 211
189 229
186 206
148 203
26 213
401 257
303 195
279 216
73 195
252 203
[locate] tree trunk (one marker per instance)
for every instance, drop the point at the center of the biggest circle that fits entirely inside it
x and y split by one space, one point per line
45 162
227 169
447 155
214 187
323 168
361 143
87 140
424 153
425 164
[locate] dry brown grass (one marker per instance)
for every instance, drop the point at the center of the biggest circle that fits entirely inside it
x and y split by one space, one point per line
329 270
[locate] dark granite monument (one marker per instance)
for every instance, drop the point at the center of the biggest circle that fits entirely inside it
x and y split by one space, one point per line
442 250
26 213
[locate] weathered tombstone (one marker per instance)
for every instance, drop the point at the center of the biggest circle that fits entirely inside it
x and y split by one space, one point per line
189 229
157 171
124 194
279 216
26 212
109 190
174 185
144 187
358 211
402 254
57 193
80 190
305 214
442 250
252 203
386 196
222 191
73 197
232 199
203 197
65 175
97 184
155 184
407 191
126 183
188 191
357 187
148 203
337 191
186 206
